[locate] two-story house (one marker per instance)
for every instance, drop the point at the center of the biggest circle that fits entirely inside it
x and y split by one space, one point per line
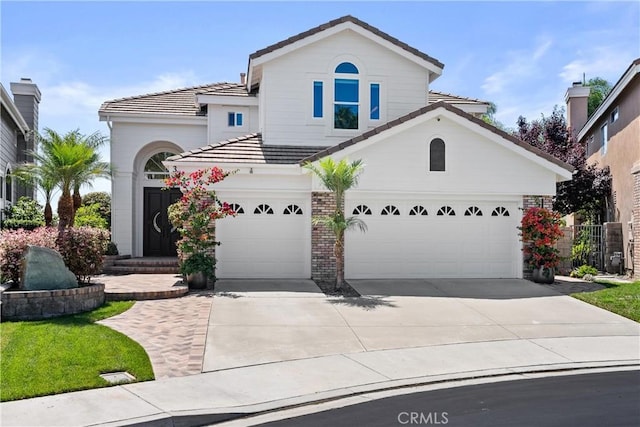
612 137
441 190
19 126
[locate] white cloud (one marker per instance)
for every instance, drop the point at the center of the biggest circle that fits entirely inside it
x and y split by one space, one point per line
520 65
601 61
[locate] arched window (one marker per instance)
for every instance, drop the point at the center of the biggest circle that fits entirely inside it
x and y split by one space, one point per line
390 210
500 211
236 208
362 210
263 209
292 210
436 155
473 211
154 169
418 210
446 211
346 97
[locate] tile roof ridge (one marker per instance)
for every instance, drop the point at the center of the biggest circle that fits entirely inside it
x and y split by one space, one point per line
342 20
453 95
166 92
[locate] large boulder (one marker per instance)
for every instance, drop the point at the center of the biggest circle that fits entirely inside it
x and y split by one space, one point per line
43 269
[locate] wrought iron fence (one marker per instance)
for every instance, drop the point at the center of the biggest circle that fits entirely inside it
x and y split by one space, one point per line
588 246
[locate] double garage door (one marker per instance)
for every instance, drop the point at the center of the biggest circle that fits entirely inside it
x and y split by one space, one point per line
433 238
271 238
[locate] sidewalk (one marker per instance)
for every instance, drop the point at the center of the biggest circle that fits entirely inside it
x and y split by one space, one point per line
227 394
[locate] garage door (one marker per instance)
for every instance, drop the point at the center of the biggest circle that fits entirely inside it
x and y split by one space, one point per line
435 238
269 238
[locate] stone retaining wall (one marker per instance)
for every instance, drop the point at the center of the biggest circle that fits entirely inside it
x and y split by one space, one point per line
33 305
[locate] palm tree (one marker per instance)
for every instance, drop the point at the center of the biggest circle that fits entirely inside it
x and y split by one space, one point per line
338 178
41 179
66 161
95 169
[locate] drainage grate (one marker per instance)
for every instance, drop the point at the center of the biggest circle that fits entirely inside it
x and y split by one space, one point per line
118 377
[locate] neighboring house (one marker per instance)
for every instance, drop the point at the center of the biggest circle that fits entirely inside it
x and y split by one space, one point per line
612 137
441 191
19 126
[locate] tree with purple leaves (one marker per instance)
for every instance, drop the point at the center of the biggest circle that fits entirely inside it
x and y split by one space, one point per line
589 191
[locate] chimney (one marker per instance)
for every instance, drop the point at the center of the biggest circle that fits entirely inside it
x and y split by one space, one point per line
576 98
243 78
26 96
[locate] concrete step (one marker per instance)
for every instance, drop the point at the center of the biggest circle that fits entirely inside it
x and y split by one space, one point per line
139 269
148 262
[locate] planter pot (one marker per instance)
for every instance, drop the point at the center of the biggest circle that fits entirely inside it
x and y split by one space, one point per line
197 281
544 275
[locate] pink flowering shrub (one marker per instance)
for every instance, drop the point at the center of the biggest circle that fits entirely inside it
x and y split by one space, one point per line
14 242
81 248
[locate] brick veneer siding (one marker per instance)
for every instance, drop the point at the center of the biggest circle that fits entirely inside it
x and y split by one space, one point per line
636 221
530 201
323 261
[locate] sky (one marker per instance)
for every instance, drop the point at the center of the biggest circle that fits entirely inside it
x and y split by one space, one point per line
520 55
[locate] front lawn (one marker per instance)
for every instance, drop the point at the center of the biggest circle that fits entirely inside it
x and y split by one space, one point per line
619 298
66 354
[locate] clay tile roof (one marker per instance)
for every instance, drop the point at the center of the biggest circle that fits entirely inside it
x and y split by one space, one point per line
335 22
175 102
441 104
449 98
247 149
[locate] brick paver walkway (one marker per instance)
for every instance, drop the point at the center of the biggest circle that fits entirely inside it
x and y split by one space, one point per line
172 331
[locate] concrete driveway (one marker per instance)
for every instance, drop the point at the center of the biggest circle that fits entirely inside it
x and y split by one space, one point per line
261 321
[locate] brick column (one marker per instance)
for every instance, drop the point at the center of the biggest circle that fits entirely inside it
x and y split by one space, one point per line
635 171
323 262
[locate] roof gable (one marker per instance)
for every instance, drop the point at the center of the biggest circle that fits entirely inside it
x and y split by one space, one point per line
333 27
561 168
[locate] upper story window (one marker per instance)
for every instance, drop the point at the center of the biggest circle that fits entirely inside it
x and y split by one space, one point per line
234 119
154 169
604 138
374 98
615 114
346 97
437 155
317 99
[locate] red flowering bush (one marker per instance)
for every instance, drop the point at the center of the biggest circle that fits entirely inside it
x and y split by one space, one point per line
194 215
13 243
540 229
81 248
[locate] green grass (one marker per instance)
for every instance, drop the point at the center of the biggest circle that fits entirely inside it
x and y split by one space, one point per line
619 298
66 354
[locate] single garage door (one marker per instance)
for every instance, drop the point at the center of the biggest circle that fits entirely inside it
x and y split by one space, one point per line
269 238
433 238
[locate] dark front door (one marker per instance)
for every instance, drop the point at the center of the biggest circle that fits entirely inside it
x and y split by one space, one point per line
159 236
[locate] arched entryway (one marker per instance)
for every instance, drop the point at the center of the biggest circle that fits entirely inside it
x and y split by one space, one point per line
156 237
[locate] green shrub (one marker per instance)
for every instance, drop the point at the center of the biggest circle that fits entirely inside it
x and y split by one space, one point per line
89 216
26 213
583 270
112 249
13 244
103 200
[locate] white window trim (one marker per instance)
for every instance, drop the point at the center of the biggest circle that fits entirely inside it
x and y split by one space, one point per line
235 119
616 112
428 156
604 135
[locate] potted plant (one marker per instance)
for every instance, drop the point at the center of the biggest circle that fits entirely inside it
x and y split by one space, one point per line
540 229
197 269
194 216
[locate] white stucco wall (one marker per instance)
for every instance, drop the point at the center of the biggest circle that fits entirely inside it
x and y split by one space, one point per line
218 125
287 86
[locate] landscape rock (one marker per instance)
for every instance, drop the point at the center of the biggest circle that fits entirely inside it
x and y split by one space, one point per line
44 269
